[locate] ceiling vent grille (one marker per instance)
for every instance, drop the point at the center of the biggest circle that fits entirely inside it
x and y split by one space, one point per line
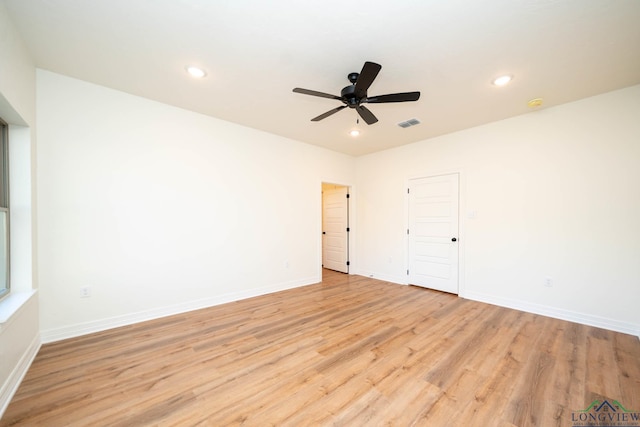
409 123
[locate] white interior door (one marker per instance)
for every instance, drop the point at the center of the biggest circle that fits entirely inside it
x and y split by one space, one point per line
335 222
433 232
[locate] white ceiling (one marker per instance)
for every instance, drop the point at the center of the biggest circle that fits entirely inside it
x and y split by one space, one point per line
256 52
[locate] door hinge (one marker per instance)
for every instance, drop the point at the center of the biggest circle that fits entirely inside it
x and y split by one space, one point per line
407 191
348 229
407 231
348 263
407 272
348 195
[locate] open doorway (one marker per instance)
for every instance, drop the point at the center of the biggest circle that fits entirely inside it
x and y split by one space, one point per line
335 227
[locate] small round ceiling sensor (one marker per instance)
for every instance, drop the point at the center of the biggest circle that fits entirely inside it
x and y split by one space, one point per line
535 102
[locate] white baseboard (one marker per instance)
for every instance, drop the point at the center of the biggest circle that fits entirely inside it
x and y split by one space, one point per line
12 383
400 280
557 313
57 334
71 331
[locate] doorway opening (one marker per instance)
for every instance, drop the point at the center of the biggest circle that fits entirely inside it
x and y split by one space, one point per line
335 227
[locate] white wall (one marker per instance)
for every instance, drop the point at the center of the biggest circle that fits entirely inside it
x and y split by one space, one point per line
161 210
19 338
556 194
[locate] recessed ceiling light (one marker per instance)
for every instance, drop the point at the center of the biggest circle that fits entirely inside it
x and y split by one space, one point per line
354 133
502 80
196 72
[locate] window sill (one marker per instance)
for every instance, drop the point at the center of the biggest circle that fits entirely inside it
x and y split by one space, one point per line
11 305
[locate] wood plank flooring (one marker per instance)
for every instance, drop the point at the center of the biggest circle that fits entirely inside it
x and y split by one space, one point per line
349 351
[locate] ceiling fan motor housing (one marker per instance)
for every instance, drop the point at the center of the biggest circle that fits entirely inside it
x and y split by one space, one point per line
349 97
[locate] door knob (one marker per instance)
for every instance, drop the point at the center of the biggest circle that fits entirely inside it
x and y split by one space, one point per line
453 239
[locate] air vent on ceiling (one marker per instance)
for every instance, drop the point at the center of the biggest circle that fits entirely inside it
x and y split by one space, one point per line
409 123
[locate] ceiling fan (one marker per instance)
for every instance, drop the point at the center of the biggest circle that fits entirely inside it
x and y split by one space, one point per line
355 95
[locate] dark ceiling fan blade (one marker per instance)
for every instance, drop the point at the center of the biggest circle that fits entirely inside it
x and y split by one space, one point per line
316 93
393 97
366 115
328 113
368 74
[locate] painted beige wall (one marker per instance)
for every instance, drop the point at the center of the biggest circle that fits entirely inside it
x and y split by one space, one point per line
161 210
19 338
550 191
555 193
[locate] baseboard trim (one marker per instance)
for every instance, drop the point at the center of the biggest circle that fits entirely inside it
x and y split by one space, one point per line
381 276
72 331
52 335
557 313
10 387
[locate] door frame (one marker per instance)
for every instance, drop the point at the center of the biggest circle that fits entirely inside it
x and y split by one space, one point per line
351 215
462 207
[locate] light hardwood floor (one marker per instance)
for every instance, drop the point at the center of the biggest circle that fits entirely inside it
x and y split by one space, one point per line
349 351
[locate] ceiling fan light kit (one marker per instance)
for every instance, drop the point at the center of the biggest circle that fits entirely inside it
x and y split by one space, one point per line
354 95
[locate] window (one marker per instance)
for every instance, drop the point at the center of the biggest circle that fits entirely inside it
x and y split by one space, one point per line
4 210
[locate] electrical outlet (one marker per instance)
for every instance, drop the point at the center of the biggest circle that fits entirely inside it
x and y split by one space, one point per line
548 282
85 292
286 264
